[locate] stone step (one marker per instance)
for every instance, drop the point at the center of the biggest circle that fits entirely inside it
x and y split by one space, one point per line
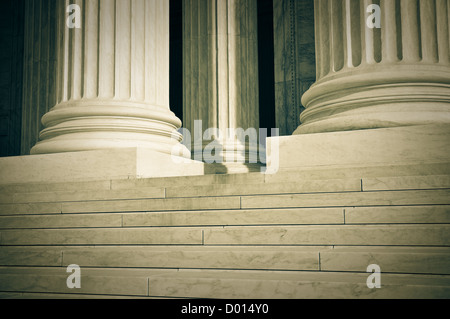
143 191
86 195
341 199
397 235
296 216
315 186
307 186
222 283
133 183
353 199
213 190
281 176
406 182
433 214
295 285
50 296
102 236
122 282
413 260
410 260
354 171
392 235
287 258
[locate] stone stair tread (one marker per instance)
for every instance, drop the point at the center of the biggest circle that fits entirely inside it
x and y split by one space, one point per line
435 260
262 285
432 214
312 200
222 283
420 235
148 188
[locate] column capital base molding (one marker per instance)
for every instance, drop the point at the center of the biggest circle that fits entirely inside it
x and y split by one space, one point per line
403 95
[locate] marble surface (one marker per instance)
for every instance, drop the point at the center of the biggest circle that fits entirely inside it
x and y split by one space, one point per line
367 78
330 235
102 237
391 146
94 165
294 60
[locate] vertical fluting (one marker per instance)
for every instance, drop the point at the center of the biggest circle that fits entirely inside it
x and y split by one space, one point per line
389 32
91 49
138 50
443 30
106 53
400 64
150 49
412 31
113 75
77 59
121 52
40 79
337 46
220 62
428 31
123 57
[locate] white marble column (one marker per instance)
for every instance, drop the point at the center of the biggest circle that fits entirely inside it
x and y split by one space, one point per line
112 83
394 76
295 71
220 64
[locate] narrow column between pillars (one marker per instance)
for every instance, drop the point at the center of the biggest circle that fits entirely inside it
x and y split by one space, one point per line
220 61
398 75
113 80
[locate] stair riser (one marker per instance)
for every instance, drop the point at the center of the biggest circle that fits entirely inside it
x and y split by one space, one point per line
258 235
325 259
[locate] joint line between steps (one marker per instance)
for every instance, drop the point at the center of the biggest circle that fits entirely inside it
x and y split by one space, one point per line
320 265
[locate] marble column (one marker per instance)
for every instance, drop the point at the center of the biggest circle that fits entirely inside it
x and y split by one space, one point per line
294 55
220 61
39 71
112 80
394 76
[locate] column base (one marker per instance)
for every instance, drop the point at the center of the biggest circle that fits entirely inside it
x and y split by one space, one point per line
390 146
95 165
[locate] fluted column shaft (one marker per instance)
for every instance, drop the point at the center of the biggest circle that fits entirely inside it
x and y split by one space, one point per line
112 80
396 75
220 63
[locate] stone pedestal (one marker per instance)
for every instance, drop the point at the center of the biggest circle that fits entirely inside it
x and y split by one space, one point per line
104 164
220 63
113 81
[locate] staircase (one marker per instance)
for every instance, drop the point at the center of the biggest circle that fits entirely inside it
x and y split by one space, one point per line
305 233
